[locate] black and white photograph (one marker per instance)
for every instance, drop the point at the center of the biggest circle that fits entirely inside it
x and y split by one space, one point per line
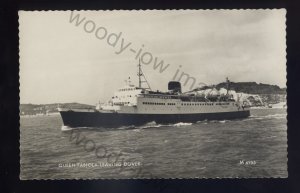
153 94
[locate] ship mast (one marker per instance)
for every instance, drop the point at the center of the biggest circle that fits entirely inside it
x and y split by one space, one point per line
142 78
227 85
140 73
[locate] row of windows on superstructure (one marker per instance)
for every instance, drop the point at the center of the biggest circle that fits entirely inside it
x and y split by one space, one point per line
195 104
151 103
203 104
122 96
127 89
222 103
159 96
121 103
185 104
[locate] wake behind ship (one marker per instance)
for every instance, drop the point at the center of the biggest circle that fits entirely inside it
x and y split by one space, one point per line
137 105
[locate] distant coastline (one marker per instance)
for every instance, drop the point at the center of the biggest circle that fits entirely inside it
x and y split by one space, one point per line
48 109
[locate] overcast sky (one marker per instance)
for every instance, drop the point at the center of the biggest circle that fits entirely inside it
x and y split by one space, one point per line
62 62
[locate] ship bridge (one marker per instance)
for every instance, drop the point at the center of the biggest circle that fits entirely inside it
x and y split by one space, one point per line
127 96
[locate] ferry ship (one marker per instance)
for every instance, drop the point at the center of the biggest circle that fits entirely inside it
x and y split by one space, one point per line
138 105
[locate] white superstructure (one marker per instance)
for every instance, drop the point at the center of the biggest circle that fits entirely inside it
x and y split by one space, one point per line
132 99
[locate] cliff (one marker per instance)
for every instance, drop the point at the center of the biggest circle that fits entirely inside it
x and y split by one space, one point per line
253 88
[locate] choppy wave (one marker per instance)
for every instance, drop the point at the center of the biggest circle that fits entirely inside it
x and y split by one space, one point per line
66 128
156 125
182 124
275 116
152 124
268 137
126 127
204 121
145 126
215 121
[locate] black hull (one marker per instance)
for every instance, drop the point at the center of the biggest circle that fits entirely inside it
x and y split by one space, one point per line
97 119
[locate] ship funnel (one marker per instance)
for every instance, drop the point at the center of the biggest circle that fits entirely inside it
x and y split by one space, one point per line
174 86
